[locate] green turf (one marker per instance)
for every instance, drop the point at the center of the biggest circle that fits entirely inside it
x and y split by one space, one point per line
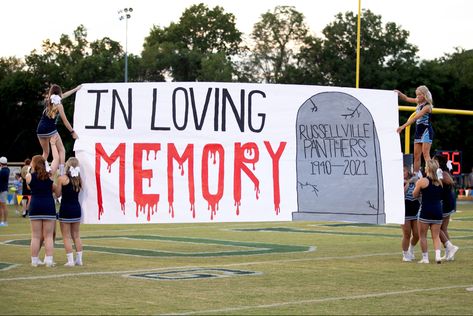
237 268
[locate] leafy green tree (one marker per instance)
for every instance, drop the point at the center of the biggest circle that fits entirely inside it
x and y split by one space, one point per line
386 56
68 62
277 37
19 93
185 50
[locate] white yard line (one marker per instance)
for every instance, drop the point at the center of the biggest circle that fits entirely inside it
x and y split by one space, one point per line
79 274
321 300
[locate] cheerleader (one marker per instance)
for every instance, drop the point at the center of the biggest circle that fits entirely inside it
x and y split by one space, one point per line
409 228
448 206
47 124
430 215
68 186
42 209
424 133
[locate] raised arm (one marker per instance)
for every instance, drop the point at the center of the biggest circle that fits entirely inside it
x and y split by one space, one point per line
70 92
404 97
58 187
64 119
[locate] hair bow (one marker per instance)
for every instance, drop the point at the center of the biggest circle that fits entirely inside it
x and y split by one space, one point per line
46 166
449 165
439 174
74 171
55 99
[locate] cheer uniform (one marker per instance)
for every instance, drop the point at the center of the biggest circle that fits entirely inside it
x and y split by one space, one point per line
449 202
411 203
431 205
42 205
424 132
47 126
70 211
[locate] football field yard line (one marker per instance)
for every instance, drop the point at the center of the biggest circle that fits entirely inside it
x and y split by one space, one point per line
98 273
65 275
321 300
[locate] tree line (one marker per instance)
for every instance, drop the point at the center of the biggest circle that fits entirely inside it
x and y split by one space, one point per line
205 45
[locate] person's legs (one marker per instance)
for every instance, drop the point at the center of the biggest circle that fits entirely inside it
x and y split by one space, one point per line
423 227
48 231
406 237
25 203
66 237
417 156
415 233
435 231
3 211
414 238
426 150
62 154
44 142
444 237
77 242
36 233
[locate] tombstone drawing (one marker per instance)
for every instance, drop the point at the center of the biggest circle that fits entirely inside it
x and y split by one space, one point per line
338 163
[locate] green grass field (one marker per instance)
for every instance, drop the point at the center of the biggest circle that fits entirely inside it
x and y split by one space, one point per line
237 268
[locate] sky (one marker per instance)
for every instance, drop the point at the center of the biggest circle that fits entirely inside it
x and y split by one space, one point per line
436 27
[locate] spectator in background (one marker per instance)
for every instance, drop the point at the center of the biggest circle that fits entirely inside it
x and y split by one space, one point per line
4 176
26 189
470 180
18 191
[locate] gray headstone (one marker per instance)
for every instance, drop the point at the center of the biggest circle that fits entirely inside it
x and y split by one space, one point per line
339 175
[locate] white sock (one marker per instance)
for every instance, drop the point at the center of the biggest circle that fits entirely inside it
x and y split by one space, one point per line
448 244
70 257
411 249
34 260
48 259
437 254
405 253
425 255
79 256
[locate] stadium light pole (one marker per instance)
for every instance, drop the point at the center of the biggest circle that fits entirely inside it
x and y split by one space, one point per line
125 14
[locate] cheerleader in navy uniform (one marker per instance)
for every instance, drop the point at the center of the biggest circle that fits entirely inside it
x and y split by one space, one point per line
47 125
449 204
424 133
68 186
409 227
42 209
431 214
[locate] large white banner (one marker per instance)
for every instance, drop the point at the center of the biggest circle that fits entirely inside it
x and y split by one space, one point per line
200 152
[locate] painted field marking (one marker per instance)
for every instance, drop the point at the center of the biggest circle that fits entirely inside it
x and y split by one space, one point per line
280 261
252 248
306 231
7 266
321 300
192 274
